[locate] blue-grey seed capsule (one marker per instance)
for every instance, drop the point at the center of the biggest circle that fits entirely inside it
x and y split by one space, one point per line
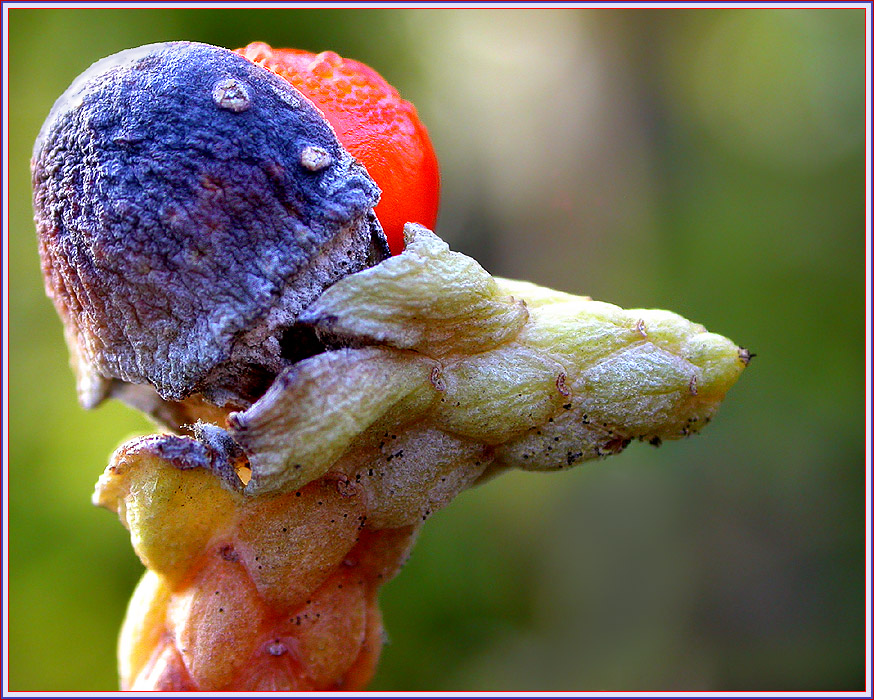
189 204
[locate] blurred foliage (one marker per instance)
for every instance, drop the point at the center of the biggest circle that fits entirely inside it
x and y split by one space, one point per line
707 161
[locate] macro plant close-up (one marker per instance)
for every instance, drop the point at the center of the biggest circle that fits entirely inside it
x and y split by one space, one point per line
306 340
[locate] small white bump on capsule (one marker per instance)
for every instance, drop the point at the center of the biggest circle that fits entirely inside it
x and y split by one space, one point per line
231 94
315 158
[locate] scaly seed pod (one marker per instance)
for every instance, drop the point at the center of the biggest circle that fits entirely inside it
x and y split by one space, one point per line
536 386
189 205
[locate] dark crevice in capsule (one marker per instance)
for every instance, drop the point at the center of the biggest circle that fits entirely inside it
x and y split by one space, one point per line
300 342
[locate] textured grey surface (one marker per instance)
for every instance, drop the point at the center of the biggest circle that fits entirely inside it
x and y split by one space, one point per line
183 225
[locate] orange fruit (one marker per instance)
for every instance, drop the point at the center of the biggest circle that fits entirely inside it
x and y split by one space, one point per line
374 124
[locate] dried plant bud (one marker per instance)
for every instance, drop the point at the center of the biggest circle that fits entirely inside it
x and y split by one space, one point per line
213 252
267 541
189 206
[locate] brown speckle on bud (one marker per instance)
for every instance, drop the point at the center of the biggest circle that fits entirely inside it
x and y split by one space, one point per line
561 385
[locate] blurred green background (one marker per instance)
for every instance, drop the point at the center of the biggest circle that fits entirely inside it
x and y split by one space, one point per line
706 161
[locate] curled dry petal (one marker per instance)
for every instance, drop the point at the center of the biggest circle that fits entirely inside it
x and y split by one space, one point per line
315 410
429 299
